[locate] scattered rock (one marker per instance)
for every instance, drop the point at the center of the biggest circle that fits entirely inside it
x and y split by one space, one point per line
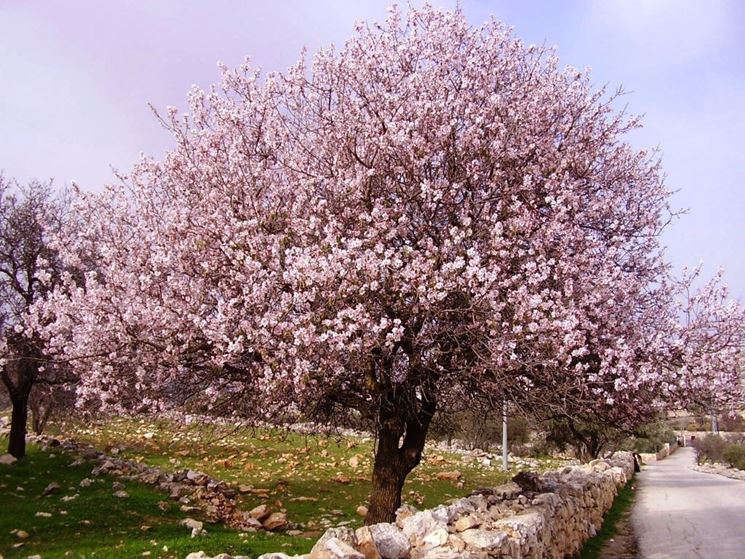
22 534
85 482
334 548
467 522
361 511
483 539
8 459
260 513
391 543
454 475
121 494
275 521
53 487
196 526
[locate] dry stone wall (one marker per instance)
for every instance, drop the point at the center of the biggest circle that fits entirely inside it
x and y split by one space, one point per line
534 516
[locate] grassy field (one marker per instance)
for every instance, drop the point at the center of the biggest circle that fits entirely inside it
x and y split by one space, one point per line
318 481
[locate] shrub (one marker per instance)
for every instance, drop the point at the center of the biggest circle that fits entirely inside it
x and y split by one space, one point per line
710 448
734 455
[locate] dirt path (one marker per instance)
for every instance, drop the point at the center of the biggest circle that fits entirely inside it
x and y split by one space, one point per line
623 545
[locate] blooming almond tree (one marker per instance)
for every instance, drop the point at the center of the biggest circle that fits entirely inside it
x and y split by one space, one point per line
30 216
432 213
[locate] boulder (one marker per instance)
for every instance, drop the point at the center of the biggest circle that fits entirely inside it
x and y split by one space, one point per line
454 475
53 487
275 521
8 459
334 548
419 525
390 542
260 513
196 526
484 540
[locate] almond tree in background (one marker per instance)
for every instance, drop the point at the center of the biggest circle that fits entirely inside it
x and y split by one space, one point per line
431 215
30 216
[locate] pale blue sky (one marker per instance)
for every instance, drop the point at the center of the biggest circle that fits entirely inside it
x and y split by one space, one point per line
76 78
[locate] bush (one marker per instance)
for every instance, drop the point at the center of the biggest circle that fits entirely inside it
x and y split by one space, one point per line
651 438
479 428
710 448
734 455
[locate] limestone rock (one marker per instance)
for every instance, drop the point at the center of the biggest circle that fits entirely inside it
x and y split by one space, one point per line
196 526
341 533
275 521
53 487
260 513
419 525
334 548
483 539
454 475
8 459
467 522
390 542
366 544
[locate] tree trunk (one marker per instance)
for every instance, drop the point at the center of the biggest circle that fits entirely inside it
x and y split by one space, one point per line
394 461
18 419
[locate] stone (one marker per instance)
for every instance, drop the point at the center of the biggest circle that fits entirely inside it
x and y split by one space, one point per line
334 548
260 513
196 526
454 475
443 553
467 522
121 494
50 489
361 511
198 555
483 539
274 556
275 521
366 544
85 482
419 525
528 481
22 534
8 459
391 543
435 538
197 478
342 533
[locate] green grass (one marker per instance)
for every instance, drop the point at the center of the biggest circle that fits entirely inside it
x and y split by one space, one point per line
621 505
318 481
97 524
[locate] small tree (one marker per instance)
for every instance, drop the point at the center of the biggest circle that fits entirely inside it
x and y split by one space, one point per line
29 217
432 216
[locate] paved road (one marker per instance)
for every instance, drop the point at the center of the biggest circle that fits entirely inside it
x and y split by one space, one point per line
683 514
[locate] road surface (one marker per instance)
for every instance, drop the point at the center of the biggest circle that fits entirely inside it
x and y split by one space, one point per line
683 514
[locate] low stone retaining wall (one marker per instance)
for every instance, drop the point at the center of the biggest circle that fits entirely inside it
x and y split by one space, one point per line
547 516
192 489
664 452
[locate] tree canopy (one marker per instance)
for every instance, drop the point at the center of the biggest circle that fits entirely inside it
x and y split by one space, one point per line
432 213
